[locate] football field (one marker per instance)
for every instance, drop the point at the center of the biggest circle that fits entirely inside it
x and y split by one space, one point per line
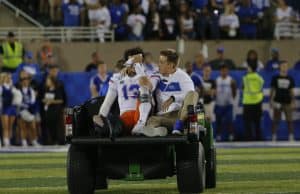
242 170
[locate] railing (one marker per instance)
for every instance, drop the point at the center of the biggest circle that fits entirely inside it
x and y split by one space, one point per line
20 12
61 34
287 30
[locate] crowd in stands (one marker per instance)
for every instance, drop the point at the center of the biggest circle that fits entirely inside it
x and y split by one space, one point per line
33 98
167 20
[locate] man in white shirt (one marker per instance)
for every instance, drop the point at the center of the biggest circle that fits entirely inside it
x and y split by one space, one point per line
174 91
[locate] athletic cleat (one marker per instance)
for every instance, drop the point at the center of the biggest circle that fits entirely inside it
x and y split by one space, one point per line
291 138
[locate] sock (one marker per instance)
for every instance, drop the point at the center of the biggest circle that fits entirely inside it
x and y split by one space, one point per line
145 106
34 142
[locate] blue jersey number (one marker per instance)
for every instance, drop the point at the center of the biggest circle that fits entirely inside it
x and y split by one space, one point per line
132 88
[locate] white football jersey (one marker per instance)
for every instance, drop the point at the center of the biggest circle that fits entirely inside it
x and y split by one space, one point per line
177 85
127 89
224 92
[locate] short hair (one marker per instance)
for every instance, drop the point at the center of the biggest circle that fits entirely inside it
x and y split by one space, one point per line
94 54
133 51
171 55
120 64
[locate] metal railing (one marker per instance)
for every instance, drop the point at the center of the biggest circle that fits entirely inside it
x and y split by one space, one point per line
61 34
287 30
19 12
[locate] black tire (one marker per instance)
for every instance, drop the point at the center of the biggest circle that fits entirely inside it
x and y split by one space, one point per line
190 165
211 169
80 171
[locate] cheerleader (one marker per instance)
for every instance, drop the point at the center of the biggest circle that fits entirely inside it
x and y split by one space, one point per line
10 99
27 111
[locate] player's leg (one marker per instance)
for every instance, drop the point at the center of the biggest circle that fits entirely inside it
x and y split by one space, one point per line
23 132
276 119
33 133
145 104
229 121
6 138
190 99
289 118
257 112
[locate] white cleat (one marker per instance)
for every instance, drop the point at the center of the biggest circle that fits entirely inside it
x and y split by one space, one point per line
155 132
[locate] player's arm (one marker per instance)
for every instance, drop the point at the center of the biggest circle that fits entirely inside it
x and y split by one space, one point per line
109 99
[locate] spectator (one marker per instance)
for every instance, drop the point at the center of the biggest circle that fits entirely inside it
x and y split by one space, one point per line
12 52
188 68
252 102
208 92
221 60
27 111
153 22
99 83
186 22
263 7
93 65
168 25
136 22
94 11
29 66
273 63
248 14
207 21
118 15
252 58
199 62
282 99
55 11
45 54
103 20
229 22
225 93
11 97
284 15
72 13
53 107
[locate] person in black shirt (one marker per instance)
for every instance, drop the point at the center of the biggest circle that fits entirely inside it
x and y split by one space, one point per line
282 99
92 66
53 102
208 91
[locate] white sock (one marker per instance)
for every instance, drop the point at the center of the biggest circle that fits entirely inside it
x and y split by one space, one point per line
145 107
144 110
6 142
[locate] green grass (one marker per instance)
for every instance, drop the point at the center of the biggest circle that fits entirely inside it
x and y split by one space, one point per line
269 170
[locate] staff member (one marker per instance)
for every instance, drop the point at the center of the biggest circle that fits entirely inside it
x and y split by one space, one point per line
12 52
99 83
252 101
282 99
